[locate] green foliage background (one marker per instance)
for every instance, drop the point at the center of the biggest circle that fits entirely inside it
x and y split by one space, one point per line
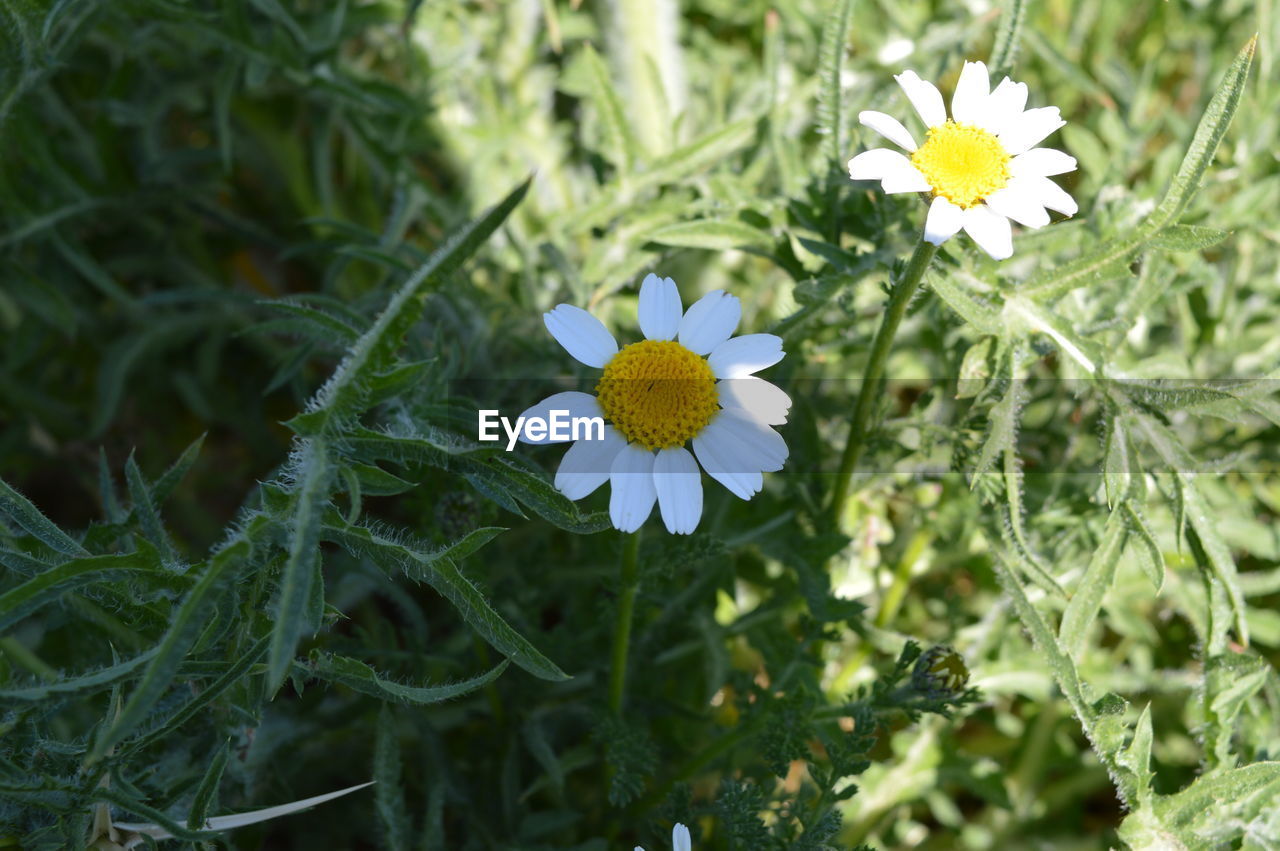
262 259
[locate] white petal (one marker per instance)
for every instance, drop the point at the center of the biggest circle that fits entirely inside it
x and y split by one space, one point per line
710 321
943 221
925 97
742 356
577 403
679 485
717 459
631 480
1050 195
1005 105
894 171
755 397
587 464
969 103
660 308
1041 162
581 334
1015 202
680 840
888 127
755 446
990 230
1030 128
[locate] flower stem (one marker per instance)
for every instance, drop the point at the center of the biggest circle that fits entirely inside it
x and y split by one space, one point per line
622 627
873 377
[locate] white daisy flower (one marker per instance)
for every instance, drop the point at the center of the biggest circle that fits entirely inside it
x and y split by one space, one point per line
680 839
687 382
981 166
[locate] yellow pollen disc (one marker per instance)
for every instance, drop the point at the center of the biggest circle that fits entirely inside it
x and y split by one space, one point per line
963 163
658 393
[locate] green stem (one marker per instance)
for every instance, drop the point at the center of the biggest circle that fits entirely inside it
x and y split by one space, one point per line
873 377
622 628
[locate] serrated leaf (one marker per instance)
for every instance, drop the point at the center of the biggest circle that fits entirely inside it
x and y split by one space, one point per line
1136 759
1005 50
1204 145
699 155
20 510
975 368
163 487
1211 802
343 395
975 310
1188 238
619 142
17 603
1098 577
1143 545
90 682
295 610
206 793
233 675
1117 465
187 623
359 676
144 510
711 234
439 571
531 490
388 797
321 325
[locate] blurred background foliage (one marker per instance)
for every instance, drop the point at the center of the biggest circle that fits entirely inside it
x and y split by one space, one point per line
202 205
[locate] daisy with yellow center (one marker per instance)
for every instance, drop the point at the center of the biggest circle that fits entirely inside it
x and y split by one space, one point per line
980 166
688 382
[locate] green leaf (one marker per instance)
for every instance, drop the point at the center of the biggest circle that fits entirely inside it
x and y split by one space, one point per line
835 41
1097 580
55 582
439 571
207 792
1212 801
973 309
343 395
145 510
1005 50
1117 465
1144 546
190 619
20 510
1188 238
388 795
326 325
299 575
359 676
619 142
164 486
90 682
1204 144
233 675
697 156
1136 760
503 476
711 234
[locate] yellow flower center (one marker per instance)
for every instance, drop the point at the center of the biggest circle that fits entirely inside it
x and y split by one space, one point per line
963 163
658 393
